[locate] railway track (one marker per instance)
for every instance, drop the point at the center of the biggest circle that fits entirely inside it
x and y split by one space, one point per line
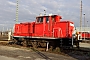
86 41
74 49
41 54
62 51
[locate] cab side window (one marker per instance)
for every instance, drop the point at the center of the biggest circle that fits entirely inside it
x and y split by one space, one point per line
47 19
40 19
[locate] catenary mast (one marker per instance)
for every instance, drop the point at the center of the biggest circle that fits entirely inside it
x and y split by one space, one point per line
81 16
17 12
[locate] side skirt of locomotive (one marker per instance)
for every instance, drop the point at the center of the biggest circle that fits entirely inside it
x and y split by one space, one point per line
45 42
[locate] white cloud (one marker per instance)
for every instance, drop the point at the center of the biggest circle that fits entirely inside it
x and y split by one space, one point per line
12 3
29 9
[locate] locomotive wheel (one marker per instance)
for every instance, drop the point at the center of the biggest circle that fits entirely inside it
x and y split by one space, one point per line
35 44
25 43
15 41
42 44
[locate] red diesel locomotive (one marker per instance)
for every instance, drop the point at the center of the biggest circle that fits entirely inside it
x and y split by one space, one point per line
45 30
85 35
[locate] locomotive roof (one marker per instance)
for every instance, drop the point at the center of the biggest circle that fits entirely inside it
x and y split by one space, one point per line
47 16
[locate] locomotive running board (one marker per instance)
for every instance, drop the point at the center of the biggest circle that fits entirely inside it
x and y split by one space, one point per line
36 37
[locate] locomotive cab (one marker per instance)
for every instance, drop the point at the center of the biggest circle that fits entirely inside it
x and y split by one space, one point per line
44 25
46 19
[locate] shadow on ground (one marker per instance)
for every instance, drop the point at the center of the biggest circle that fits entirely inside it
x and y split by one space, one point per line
79 54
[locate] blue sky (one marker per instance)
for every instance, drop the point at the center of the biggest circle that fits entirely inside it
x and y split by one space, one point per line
29 9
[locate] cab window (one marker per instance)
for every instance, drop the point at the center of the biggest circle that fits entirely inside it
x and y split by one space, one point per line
47 19
40 19
53 18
